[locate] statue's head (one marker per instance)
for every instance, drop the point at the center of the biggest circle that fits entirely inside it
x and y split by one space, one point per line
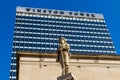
62 40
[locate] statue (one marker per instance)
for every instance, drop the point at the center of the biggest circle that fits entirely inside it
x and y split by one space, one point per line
63 55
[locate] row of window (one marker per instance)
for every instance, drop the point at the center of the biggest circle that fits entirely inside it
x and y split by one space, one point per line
72 36
22 38
56 17
44 48
81 35
73 52
72 28
56 31
59 20
55 42
35 20
68 30
82 39
53 49
59 27
52 40
55 23
65 29
53 45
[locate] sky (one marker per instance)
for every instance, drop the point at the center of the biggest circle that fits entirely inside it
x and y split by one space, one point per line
109 8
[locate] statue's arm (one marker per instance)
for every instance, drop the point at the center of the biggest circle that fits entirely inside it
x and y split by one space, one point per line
66 46
57 53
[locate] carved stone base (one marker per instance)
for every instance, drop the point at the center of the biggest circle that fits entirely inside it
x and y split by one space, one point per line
68 76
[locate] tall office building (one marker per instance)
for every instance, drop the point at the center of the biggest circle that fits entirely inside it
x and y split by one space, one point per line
38 30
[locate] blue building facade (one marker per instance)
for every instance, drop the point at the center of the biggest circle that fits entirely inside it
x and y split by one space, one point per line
38 30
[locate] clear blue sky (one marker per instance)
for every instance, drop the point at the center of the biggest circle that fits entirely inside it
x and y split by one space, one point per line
109 8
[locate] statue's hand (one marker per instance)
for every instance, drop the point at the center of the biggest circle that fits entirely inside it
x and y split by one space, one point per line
66 47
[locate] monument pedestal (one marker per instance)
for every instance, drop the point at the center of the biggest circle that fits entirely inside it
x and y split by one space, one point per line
68 76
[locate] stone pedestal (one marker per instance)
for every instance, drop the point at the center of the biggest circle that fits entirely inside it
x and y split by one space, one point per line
68 76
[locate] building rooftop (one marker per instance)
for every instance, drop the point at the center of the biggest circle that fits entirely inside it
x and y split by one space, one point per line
60 12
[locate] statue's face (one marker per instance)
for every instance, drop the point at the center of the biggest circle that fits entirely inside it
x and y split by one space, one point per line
62 41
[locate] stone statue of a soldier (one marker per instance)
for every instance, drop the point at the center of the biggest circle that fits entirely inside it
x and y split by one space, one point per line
63 55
